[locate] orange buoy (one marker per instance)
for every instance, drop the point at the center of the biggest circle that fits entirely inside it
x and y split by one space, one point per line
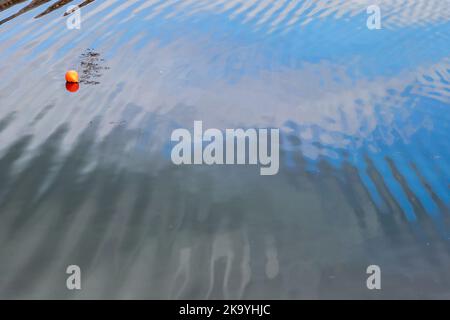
72 76
72 86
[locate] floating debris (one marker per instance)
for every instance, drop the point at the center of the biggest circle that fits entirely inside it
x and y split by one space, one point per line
91 66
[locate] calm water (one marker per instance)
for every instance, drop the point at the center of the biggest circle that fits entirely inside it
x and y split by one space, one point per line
86 177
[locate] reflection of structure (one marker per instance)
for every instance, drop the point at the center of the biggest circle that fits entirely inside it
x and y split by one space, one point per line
227 235
84 3
5 4
282 15
34 4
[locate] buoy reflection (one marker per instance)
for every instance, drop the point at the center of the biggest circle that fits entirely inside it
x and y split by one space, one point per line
72 86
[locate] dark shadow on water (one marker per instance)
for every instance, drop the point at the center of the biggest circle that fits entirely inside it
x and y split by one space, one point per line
169 229
4 123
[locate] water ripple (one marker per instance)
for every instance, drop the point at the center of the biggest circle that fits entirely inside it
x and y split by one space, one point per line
85 177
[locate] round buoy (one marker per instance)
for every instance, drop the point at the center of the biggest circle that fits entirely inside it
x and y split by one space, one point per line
72 76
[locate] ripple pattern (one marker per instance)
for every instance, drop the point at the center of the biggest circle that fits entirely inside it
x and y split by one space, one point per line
86 178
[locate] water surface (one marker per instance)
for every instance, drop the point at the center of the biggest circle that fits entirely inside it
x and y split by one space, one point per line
86 176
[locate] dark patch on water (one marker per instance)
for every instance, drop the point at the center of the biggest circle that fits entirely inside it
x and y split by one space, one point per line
92 67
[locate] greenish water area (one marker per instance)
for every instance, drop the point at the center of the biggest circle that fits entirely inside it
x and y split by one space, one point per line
86 176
